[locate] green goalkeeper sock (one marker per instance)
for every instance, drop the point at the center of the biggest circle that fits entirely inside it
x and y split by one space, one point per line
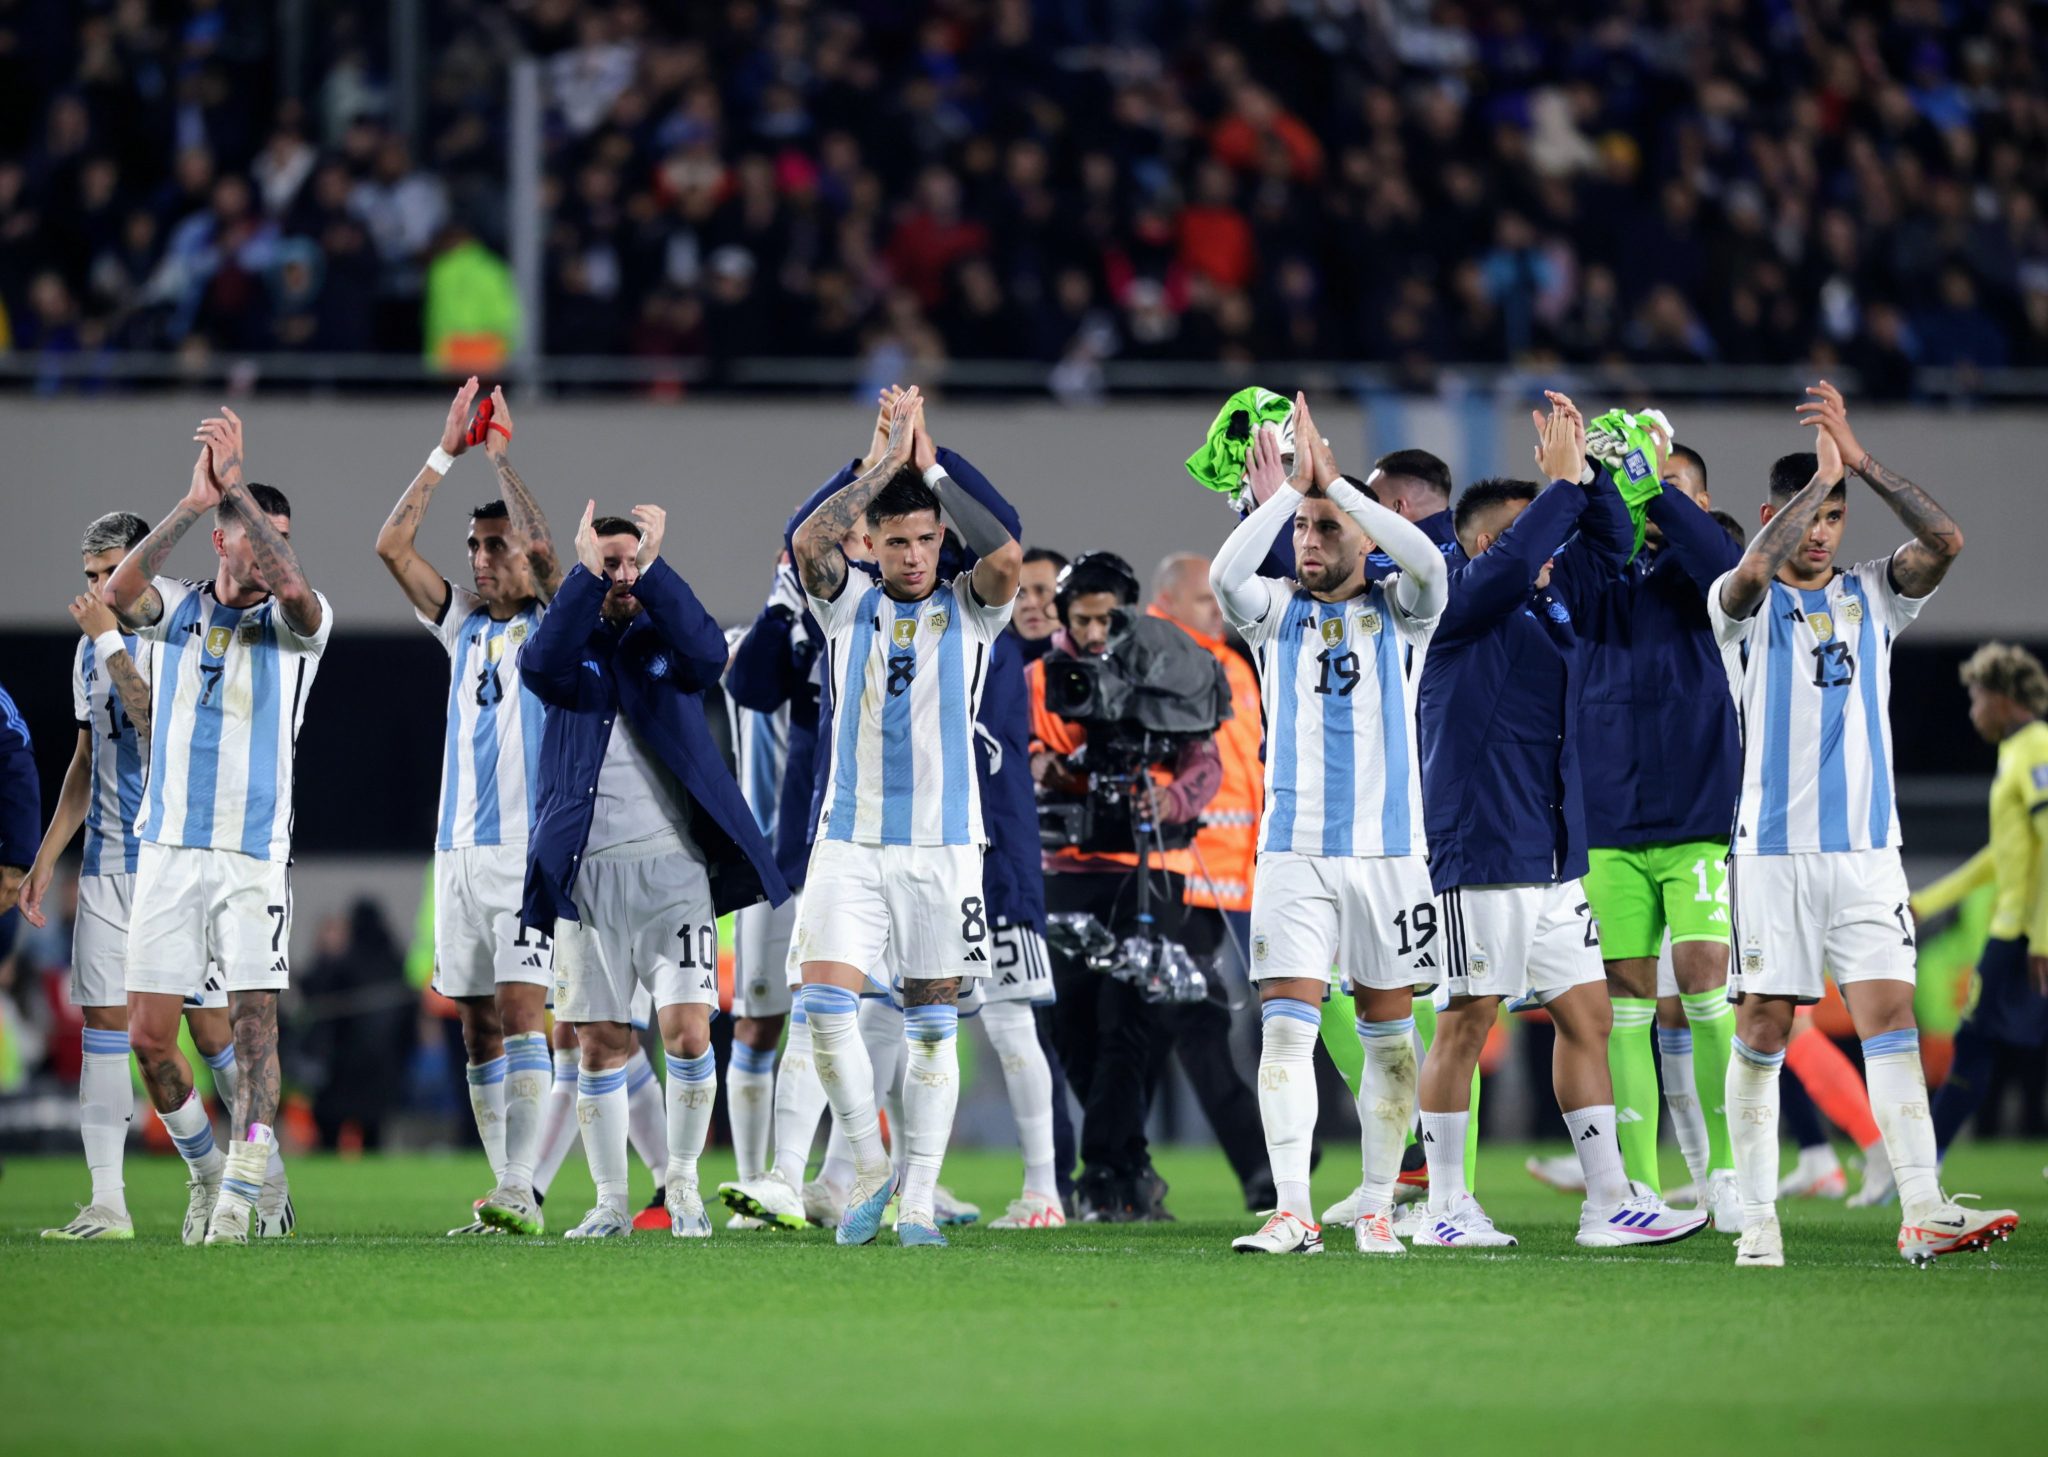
1340 1039
1425 1024
1634 1066
1712 1020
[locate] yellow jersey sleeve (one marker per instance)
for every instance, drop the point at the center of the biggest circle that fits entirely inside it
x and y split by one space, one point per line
1954 888
2022 837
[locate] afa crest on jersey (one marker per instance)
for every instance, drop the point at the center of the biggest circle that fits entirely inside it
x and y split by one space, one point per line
1370 622
1852 612
936 623
249 633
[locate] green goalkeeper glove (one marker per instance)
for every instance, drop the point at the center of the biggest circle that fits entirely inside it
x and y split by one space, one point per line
1220 463
1622 442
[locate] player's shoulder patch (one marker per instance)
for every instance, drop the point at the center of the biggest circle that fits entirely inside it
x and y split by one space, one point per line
2041 777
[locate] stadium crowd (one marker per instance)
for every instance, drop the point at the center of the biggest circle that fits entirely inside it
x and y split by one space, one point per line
1404 182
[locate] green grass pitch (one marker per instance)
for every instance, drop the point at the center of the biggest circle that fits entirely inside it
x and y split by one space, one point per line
368 1334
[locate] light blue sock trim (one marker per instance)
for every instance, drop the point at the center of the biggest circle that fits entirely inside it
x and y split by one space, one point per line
195 1146
1299 1010
1400 1027
822 1001
796 1011
699 1069
98 1043
596 1085
215 1060
639 1072
1892 1044
482 1074
1750 1055
747 1059
1674 1040
528 1052
931 1024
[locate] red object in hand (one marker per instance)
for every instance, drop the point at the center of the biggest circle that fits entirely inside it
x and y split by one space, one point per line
483 424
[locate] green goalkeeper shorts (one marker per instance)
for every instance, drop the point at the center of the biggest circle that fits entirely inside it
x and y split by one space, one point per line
1641 892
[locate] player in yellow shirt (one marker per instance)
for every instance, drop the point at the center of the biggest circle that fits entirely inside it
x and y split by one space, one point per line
2008 699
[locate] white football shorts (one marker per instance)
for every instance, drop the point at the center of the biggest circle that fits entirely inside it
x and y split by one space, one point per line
644 920
196 911
99 947
478 940
760 972
1513 941
912 910
1371 918
1841 912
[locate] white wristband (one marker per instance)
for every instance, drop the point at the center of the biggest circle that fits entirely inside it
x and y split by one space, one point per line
933 474
107 644
440 462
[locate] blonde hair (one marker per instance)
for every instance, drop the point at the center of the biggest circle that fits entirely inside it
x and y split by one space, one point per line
2005 668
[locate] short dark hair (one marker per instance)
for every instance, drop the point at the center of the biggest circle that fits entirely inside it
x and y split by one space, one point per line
1487 494
903 494
1686 452
615 526
1730 525
1417 465
270 500
1363 489
1790 473
1044 554
492 511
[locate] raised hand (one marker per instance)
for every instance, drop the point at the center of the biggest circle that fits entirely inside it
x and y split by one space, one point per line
498 437
653 522
586 542
1263 471
1561 439
222 436
923 453
455 429
878 443
1829 451
1304 477
204 492
92 615
903 416
1828 410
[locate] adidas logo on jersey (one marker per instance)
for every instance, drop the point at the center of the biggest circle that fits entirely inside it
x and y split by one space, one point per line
1009 978
280 967
532 960
976 955
1425 962
708 985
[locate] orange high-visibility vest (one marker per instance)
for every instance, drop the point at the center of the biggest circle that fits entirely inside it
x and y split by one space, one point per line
1228 845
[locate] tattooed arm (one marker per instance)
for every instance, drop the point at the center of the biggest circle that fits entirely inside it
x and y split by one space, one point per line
1919 565
275 559
127 590
527 519
1746 585
816 544
422 582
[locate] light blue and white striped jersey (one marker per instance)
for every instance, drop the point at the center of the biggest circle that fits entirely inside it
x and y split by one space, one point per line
491 752
760 748
906 685
1811 672
1337 682
228 694
115 750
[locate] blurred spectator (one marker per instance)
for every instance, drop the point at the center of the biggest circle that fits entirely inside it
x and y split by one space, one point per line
358 1017
472 314
1410 183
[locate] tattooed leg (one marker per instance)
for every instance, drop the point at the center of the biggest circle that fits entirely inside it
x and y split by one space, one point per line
153 1020
255 1015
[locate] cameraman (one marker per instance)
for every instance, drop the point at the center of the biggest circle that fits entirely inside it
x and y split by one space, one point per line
1102 1026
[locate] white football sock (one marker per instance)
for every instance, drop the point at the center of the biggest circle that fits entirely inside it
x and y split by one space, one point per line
799 1099
227 1080
601 1111
1682 1101
1599 1151
487 1102
1386 1106
1288 1029
848 1076
528 1077
1753 1129
692 1089
106 1106
1898 1100
1027 1077
558 1122
192 1131
881 1033
1443 1149
931 1094
647 1115
837 1169
750 1105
